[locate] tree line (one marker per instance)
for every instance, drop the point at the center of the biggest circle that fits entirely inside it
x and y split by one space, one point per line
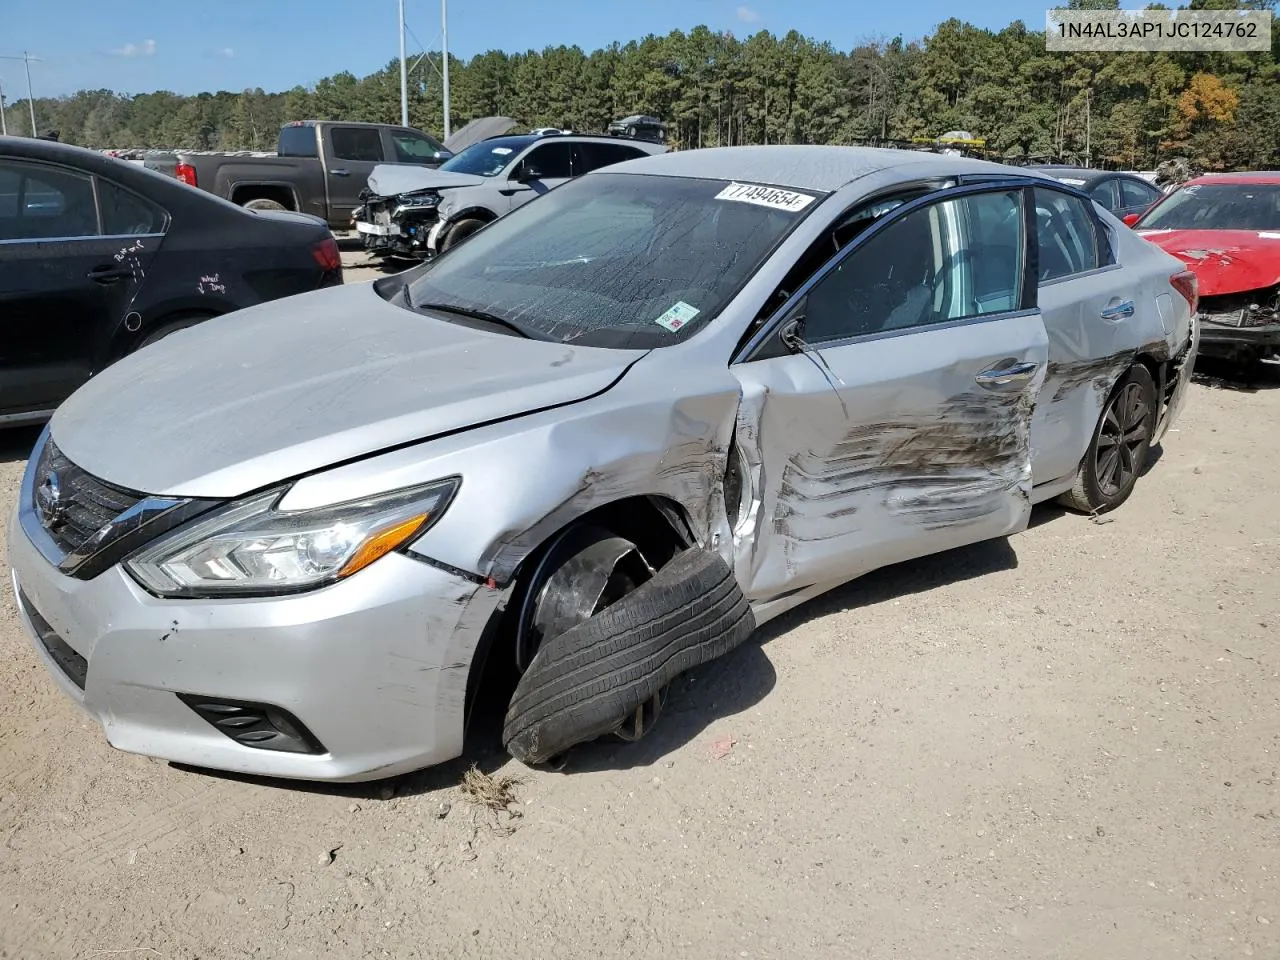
1128 110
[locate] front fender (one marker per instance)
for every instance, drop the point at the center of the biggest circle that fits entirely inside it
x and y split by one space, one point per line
527 477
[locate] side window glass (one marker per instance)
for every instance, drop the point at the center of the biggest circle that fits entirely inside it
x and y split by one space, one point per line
39 202
1136 194
1105 194
951 260
551 160
357 143
1064 228
413 148
125 213
599 155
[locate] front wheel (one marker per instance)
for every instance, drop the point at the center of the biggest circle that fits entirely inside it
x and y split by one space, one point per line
459 232
1121 442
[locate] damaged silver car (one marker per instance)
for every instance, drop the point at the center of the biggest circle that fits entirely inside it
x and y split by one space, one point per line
599 443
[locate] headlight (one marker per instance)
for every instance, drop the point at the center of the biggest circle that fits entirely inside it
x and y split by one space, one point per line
251 548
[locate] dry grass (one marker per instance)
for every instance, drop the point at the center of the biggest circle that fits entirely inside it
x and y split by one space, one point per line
488 791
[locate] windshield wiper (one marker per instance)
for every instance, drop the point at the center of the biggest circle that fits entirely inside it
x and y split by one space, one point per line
516 328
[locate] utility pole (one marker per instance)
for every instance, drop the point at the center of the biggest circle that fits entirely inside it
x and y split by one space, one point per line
4 127
404 75
1088 116
444 55
27 59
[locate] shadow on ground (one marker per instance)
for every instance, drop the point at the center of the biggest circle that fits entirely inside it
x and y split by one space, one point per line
16 443
1225 375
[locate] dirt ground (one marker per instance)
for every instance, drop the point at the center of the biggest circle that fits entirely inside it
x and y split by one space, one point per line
1063 745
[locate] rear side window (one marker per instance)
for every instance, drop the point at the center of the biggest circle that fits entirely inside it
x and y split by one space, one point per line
1105 194
297 142
1134 194
357 143
597 155
125 213
41 202
1068 241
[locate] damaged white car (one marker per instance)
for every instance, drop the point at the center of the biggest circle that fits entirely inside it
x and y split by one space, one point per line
414 213
600 442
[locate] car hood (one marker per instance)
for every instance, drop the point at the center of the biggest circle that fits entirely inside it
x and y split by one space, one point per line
390 180
265 394
1224 261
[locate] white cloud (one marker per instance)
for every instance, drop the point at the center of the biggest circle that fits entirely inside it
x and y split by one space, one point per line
146 48
747 15
227 52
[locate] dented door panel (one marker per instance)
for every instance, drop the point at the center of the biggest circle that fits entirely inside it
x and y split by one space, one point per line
900 454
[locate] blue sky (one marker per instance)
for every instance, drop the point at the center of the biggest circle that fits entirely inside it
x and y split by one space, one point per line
140 45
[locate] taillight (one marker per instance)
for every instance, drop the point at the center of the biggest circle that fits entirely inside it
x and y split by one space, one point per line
327 255
1187 285
186 173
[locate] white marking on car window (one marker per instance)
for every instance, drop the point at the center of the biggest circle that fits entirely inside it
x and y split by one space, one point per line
502 151
773 197
677 316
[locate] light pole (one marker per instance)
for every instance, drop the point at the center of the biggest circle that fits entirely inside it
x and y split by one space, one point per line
404 75
4 127
26 59
444 55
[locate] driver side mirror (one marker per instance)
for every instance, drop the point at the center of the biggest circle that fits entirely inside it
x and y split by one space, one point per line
1129 219
528 173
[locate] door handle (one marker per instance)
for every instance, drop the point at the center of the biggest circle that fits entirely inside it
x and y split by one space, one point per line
340 173
1003 376
1117 310
109 274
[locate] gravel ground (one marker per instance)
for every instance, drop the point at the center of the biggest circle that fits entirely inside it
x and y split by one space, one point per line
1062 745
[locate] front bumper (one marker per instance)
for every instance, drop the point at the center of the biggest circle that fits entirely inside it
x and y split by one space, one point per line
375 667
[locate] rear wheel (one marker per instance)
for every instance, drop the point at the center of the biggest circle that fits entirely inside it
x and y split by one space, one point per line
262 203
1121 442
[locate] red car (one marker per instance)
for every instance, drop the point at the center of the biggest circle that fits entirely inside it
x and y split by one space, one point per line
1226 228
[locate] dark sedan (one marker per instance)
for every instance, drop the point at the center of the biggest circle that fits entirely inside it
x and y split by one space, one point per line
99 257
1123 194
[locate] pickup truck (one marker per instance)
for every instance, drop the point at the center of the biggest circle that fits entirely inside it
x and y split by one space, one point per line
320 167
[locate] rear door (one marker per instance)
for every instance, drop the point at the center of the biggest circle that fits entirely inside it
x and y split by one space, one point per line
550 164
592 156
902 427
1087 300
68 274
350 154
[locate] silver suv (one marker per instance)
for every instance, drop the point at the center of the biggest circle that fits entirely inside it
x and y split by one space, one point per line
417 212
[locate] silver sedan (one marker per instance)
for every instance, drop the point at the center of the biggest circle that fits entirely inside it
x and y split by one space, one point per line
591 447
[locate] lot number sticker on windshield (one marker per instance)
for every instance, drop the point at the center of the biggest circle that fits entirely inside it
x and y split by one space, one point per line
677 316
773 197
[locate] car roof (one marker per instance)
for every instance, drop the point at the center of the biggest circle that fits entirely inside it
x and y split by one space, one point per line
518 141
55 152
1258 177
804 167
1087 174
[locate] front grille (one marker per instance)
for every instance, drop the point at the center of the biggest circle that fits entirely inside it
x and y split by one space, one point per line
69 662
84 504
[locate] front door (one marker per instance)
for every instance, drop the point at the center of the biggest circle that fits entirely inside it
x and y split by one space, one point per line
544 167
898 423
